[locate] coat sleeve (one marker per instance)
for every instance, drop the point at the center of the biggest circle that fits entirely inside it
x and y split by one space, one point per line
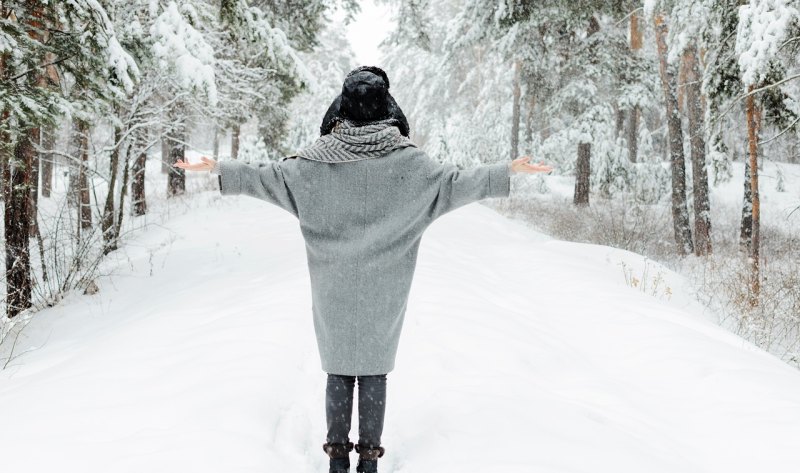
458 187
263 181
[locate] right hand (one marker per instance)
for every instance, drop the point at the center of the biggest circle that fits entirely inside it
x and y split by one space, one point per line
207 164
521 165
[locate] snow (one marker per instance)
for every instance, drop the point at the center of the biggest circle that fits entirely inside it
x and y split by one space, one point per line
520 353
176 43
122 64
649 7
762 29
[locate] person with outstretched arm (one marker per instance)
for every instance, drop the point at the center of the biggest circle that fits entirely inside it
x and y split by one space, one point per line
363 194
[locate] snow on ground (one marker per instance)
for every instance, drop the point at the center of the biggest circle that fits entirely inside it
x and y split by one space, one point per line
520 353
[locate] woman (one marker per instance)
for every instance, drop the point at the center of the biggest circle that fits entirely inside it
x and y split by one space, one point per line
363 194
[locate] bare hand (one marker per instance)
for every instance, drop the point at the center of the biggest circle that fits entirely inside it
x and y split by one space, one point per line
521 165
207 164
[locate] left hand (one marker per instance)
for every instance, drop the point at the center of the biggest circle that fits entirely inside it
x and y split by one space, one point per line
207 164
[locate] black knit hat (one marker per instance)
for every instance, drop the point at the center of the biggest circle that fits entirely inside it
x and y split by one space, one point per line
365 98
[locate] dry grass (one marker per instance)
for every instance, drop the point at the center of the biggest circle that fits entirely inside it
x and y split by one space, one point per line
720 280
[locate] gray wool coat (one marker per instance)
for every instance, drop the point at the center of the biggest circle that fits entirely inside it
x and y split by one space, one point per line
362 222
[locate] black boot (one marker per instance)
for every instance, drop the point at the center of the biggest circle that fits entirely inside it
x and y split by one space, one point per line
339 454
368 458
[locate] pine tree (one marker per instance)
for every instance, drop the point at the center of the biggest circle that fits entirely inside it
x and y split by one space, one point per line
86 49
696 116
680 213
762 29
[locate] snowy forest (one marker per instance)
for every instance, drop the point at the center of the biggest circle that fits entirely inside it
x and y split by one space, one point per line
635 309
673 126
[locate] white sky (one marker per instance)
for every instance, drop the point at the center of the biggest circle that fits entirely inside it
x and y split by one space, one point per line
370 27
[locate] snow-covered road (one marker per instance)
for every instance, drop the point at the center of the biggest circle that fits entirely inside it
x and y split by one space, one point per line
519 354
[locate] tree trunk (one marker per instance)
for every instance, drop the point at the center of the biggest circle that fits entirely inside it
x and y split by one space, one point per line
6 149
683 79
619 117
753 124
235 141
165 150
17 223
582 170
216 142
633 113
107 222
35 12
633 134
636 33
746 234
74 148
122 191
680 212
33 195
695 113
138 201
176 182
515 112
166 133
4 159
47 159
84 198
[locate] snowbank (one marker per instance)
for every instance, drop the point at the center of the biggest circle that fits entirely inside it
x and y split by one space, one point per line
520 353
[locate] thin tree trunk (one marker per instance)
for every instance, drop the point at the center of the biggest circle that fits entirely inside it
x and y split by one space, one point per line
122 191
107 222
515 115
680 212
34 187
76 146
636 33
582 171
84 198
138 201
216 142
6 149
619 117
235 131
176 182
683 78
633 113
633 134
165 150
583 161
4 160
753 125
17 223
35 12
5 155
746 234
695 113
49 142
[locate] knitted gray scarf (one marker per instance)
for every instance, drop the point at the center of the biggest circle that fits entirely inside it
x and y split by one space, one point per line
352 141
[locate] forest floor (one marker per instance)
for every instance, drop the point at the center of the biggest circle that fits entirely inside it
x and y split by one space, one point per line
720 281
520 353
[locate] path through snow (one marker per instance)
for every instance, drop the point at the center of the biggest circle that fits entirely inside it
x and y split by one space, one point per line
519 354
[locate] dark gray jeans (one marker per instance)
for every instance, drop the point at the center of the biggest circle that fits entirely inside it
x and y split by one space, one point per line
371 408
